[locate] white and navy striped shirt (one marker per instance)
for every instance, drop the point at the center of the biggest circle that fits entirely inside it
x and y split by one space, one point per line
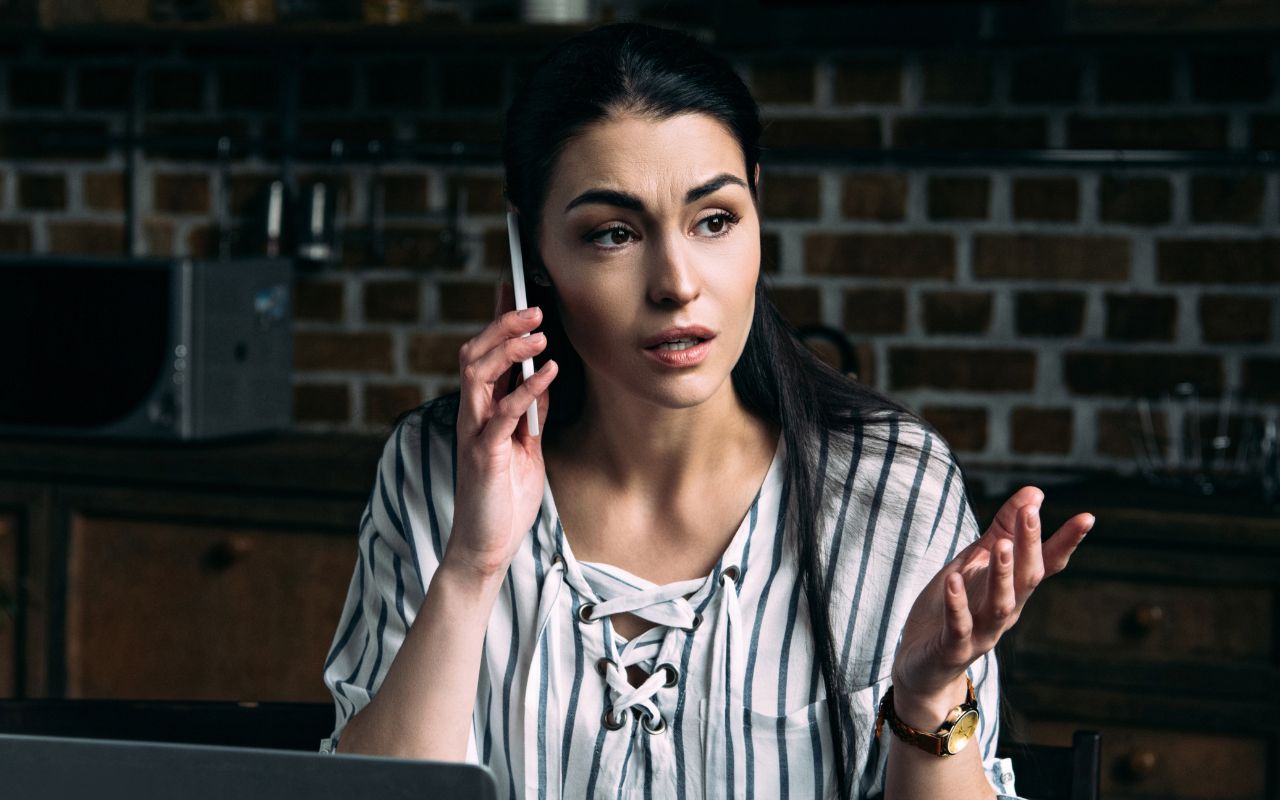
735 702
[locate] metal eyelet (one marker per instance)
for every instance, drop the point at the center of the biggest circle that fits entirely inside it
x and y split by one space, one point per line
731 572
656 729
556 558
602 666
584 610
611 722
673 674
697 622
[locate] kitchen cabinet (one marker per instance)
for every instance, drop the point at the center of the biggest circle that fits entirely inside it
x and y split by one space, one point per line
162 571
1162 634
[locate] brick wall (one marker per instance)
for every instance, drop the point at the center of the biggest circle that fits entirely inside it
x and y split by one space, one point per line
1017 307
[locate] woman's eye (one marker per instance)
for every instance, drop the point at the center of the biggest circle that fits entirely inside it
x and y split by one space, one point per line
719 224
611 238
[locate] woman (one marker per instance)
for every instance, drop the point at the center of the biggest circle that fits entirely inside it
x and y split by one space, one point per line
705 576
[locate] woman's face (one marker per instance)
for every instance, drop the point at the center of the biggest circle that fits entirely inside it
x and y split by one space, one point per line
648 226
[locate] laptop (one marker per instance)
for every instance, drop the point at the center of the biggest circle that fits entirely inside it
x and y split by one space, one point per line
58 768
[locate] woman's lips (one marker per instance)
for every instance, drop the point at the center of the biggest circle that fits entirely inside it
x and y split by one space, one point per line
687 357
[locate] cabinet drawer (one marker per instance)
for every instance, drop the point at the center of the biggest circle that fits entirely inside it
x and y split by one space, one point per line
1154 764
1151 621
177 610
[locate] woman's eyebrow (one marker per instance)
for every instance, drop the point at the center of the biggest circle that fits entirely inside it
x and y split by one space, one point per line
613 197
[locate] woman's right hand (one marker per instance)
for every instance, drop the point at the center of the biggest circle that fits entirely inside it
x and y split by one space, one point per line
500 467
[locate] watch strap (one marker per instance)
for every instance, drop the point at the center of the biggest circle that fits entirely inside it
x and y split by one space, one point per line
934 743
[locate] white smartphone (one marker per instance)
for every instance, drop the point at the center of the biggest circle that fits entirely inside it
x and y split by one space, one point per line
522 302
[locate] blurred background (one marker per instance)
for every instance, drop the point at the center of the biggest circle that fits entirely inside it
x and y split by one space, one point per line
239 237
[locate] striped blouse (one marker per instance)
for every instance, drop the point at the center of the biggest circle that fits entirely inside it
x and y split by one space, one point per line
734 705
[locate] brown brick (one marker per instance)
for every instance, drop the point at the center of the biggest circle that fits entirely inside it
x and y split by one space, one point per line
965 369
467 301
1040 257
1055 79
1231 77
959 197
383 402
964 429
1136 201
15 238
436 352
1227 198
104 191
817 132
957 312
875 197
419 247
1148 132
1045 313
1119 429
186 193
317 300
42 192
36 87
868 80
1141 318
102 88
800 305
1218 261
962 79
782 81
405 194
362 352
398 83
1230 318
158 235
50 140
86 238
242 88
1265 131
1046 199
471 84
391 301
326 87
325 402
875 310
484 193
881 255
175 89
1040 430
1133 374
496 249
1262 378
249 194
976 131
790 196
1139 77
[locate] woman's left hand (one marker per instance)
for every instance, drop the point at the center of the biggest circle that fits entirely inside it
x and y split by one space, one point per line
975 598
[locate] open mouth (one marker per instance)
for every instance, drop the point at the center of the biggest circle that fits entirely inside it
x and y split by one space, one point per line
677 344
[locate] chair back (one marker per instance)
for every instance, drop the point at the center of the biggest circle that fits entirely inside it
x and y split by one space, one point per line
1047 772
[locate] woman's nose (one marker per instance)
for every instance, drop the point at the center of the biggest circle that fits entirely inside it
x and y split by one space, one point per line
673 273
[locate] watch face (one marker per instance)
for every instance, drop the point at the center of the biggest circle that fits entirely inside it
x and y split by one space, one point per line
962 732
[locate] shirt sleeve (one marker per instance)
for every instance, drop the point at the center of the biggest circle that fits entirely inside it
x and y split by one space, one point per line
400 543
933 514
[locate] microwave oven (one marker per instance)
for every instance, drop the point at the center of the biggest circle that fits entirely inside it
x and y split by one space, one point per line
147 348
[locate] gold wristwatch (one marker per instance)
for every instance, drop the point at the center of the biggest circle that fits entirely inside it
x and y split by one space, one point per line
960 726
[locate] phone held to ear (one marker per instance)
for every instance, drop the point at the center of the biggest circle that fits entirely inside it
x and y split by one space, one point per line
522 302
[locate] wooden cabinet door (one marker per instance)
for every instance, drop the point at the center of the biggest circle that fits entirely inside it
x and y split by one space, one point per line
180 605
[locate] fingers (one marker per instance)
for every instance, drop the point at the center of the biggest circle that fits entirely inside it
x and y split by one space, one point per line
1001 603
1006 522
959 622
1059 547
509 410
486 357
1028 568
